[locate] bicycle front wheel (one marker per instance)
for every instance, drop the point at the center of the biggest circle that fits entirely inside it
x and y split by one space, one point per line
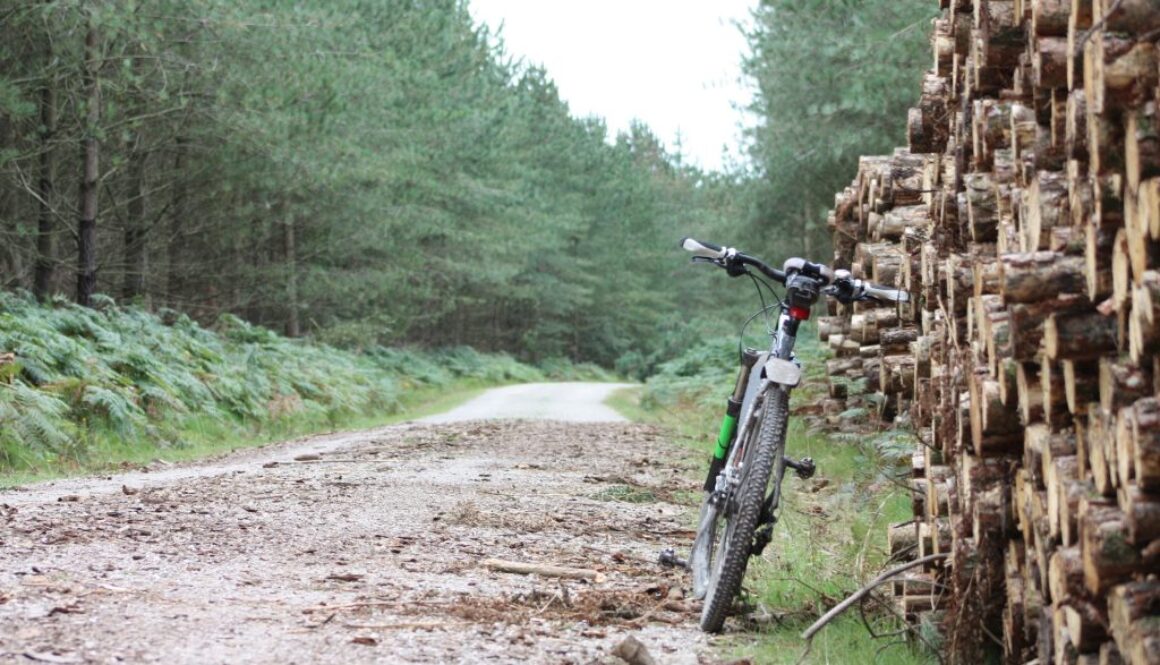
730 555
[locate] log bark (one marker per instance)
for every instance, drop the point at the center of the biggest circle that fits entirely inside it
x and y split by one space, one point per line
1129 607
1121 384
1119 72
1134 17
1080 382
1050 17
1141 145
1036 276
1121 271
1063 474
1046 207
1049 62
1078 23
1143 514
1086 623
1078 335
1149 205
1099 259
1108 557
1027 322
995 428
1144 319
1075 130
1146 444
982 207
902 539
1100 427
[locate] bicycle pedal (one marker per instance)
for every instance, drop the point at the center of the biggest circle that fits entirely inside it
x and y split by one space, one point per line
669 559
761 539
806 468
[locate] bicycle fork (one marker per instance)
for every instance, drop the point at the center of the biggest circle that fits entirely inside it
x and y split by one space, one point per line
728 432
727 435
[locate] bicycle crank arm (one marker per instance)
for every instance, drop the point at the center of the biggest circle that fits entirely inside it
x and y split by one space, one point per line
805 468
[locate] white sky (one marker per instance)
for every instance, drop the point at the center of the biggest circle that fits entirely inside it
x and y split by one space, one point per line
676 65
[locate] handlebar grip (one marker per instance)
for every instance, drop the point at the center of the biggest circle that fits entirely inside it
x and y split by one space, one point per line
703 249
885 294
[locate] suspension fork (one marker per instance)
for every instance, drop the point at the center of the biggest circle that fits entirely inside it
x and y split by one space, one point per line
788 323
728 431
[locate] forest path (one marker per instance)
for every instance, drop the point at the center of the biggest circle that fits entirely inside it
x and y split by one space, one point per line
360 547
578 402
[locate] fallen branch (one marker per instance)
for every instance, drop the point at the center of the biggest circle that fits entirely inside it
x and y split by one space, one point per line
857 595
520 568
366 604
406 625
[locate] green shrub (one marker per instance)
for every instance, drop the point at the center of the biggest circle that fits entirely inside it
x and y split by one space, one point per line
121 376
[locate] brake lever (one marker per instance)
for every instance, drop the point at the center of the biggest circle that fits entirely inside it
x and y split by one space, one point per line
733 269
844 292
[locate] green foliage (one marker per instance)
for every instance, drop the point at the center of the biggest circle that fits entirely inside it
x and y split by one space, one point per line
370 173
87 379
833 81
383 173
703 376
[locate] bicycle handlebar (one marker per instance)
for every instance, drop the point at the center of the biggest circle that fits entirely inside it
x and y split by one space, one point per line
841 284
703 249
730 259
884 294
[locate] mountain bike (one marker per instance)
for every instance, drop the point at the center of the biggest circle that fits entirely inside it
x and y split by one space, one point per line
743 486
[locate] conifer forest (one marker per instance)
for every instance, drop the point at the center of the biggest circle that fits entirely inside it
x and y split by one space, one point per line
384 172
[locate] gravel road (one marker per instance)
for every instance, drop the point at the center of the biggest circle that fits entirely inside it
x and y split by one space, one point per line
564 402
362 547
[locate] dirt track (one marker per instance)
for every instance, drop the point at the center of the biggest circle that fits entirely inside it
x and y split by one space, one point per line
368 547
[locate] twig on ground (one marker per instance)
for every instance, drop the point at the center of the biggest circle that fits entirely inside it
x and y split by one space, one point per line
406 625
365 604
857 595
521 568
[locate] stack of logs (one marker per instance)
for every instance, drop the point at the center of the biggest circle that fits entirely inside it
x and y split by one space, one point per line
1025 220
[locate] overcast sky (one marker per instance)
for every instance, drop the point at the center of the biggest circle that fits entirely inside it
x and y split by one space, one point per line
674 65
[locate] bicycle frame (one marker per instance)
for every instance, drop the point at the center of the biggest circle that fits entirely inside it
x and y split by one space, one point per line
778 361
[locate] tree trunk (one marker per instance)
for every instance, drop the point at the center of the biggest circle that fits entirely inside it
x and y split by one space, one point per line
136 226
175 280
45 268
289 246
86 230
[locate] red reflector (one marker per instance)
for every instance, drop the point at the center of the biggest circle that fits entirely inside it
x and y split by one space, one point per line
799 313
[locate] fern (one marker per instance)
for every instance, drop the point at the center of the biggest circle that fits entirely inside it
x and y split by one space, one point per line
115 407
133 376
34 425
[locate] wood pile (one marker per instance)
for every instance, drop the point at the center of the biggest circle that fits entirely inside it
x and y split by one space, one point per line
1024 217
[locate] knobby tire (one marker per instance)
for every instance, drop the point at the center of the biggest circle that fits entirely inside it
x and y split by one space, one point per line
732 554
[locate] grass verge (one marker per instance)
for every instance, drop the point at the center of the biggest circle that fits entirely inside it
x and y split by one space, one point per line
203 437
